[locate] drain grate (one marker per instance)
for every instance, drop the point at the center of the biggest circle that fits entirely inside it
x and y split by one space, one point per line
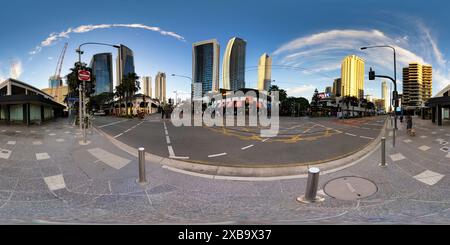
350 188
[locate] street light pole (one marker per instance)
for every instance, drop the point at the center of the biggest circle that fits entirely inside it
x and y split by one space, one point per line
395 79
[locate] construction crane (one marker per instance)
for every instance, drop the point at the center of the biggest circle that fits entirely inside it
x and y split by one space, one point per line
56 80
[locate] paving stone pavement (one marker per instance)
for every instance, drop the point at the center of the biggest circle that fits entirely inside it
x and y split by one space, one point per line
69 183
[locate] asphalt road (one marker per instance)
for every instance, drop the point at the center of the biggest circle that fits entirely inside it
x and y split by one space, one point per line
300 141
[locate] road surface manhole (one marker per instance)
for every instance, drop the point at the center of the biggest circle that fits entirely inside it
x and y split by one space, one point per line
445 149
350 188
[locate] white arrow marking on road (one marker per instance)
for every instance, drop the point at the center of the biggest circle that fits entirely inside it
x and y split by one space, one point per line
217 155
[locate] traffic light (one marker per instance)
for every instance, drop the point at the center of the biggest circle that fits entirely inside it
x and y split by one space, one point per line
395 98
371 74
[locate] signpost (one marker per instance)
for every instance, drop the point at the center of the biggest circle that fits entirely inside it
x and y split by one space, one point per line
84 76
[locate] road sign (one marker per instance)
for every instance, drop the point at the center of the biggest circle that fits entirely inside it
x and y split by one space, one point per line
84 75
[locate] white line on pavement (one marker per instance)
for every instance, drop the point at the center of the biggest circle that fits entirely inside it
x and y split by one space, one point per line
217 155
245 148
180 158
118 135
171 153
365 137
350 134
339 131
167 132
264 140
113 123
168 139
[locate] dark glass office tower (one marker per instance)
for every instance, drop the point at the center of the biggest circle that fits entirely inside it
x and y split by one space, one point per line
101 65
125 63
234 64
205 67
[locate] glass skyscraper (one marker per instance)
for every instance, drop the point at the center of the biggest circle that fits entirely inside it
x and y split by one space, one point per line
101 65
205 67
125 63
234 65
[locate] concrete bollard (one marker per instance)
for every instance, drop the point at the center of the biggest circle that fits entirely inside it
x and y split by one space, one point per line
142 174
311 187
383 152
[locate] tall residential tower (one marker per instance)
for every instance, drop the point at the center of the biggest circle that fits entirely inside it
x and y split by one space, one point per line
385 96
264 72
160 86
147 86
417 84
205 67
352 75
233 66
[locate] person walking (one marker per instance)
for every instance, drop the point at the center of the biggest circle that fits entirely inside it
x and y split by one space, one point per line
162 112
401 118
409 123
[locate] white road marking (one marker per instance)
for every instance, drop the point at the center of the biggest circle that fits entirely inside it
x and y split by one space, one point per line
433 133
397 157
4 130
42 156
165 131
423 136
108 158
407 141
350 134
118 135
168 139
217 155
180 158
245 148
67 132
60 140
11 143
51 134
37 142
365 137
128 130
424 148
171 152
18 131
55 182
113 123
264 140
5 154
429 177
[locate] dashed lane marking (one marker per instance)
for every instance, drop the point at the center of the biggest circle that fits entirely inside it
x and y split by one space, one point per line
60 140
350 134
245 148
171 152
42 156
55 182
217 155
168 139
11 143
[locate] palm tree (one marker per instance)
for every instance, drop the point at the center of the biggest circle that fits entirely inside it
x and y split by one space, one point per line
130 86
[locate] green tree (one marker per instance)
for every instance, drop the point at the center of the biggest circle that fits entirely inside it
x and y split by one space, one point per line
315 102
130 85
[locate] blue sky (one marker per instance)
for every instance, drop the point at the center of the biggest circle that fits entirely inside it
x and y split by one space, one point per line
314 35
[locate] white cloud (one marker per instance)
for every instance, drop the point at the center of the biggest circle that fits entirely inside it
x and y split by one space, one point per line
50 58
324 51
300 89
15 70
54 37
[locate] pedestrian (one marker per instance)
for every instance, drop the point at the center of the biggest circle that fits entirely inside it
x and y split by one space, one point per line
409 123
162 112
401 118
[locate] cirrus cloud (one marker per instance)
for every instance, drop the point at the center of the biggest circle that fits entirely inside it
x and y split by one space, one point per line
55 37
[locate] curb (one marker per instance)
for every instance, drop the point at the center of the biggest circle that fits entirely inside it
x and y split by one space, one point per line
254 174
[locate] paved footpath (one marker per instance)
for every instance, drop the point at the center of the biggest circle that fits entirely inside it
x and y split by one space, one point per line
46 176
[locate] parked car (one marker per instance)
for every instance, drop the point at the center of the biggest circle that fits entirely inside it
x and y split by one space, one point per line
99 113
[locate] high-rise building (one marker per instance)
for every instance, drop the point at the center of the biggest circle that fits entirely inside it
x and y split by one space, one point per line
124 62
147 86
328 90
337 87
417 84
352 75
233 66
385 96
264 72
160 86
102 69
205 67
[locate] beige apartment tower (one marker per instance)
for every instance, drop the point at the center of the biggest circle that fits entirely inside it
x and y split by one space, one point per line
352 76
417 84
264 72
160 86
385 96
147 86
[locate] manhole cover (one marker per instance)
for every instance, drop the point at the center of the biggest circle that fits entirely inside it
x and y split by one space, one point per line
445 149
350 188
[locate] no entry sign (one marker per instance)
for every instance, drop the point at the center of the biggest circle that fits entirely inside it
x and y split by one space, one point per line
84 75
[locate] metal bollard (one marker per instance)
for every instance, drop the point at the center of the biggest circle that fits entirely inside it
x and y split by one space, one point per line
142 177
311 187
383 153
